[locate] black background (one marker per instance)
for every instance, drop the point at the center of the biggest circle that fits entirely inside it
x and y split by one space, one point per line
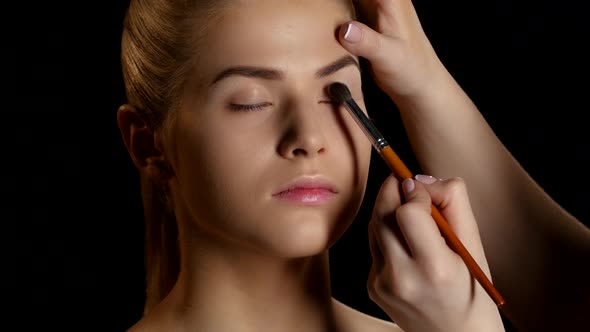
523 63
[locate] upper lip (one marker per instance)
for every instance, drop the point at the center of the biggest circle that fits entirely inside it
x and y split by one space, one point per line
308 182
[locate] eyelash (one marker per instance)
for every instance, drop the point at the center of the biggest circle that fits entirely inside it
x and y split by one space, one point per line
260 106
248 107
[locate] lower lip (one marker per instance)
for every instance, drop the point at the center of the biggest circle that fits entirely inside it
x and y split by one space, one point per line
309 196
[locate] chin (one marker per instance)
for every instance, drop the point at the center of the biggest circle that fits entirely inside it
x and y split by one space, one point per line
307 237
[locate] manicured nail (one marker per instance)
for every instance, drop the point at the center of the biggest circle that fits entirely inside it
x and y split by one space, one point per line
352 34
425 178
408 185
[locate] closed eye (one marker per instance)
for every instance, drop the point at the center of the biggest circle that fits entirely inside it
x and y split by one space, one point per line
248 107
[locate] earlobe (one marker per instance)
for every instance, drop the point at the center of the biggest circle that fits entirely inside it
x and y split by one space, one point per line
141 143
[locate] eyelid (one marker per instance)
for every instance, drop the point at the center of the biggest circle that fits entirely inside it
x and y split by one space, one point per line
248 107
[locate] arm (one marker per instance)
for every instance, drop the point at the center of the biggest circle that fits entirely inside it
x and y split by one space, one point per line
534 247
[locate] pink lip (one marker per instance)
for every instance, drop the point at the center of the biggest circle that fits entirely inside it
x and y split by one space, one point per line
307 190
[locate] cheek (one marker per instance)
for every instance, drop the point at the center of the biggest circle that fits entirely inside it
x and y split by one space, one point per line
363 160
217 164
215 189
218 157
358 144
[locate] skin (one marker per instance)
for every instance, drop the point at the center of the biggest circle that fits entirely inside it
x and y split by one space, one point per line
252 260
267 254
416 278
518 220
292 133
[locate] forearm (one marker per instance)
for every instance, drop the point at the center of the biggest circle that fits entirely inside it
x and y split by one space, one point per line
532 244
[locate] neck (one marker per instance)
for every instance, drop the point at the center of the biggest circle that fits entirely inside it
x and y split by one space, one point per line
227 287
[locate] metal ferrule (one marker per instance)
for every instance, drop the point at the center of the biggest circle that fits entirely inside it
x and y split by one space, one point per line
380 144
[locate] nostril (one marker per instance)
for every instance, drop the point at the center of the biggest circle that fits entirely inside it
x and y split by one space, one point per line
302 152
299 152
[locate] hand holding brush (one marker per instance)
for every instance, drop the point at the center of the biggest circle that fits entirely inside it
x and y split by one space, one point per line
340 93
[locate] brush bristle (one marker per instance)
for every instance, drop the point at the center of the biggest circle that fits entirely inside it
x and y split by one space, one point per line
339 92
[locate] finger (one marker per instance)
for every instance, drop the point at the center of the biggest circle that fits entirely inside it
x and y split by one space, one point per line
361 40
387 233
416 223
388 199
375 280
376 254
390 240
379 282
377 264
375 289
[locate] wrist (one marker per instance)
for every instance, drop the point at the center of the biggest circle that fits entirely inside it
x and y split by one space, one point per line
438 91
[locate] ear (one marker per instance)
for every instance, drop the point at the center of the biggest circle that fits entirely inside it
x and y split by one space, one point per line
142 144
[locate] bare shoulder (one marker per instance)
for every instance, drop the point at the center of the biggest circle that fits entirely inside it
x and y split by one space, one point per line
146 325
357 321
154 322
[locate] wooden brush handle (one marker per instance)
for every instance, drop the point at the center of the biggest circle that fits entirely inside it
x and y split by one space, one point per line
402 172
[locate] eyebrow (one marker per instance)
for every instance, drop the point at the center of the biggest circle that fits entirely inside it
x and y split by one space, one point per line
275 74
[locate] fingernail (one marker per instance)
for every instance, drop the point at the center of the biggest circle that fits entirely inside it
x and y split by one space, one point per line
352 33
408 185
425 178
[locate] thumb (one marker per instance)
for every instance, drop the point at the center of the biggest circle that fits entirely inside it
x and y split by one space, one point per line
360 40
416 195
388 199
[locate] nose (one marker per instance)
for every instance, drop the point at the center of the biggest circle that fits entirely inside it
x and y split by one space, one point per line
304 131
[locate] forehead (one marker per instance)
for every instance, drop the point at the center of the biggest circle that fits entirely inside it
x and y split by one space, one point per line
289 34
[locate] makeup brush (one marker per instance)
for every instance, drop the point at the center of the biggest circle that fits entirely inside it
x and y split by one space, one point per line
341 94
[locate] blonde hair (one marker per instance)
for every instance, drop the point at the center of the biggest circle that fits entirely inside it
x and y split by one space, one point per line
157 51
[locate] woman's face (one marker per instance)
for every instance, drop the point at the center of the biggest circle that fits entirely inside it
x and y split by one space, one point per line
261 158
